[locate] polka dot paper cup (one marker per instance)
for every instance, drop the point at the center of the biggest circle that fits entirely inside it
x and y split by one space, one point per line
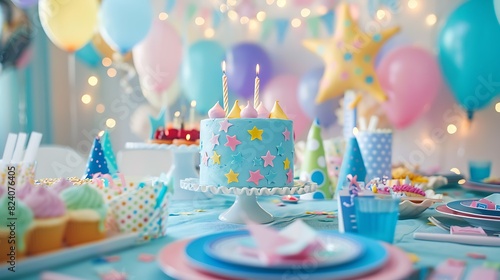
142 209
376 149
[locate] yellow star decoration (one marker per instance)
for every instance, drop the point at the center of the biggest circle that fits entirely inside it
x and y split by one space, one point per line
286 163
349 58
256 133
216 157
231 176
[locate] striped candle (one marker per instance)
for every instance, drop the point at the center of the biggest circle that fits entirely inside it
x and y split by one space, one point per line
257 85
224 88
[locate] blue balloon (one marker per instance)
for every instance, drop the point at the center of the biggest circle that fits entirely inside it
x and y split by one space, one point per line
469 46
89 55
201 74
306 95
125 23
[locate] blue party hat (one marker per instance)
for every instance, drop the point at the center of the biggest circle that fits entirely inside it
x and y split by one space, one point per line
97 161
352 163
108 153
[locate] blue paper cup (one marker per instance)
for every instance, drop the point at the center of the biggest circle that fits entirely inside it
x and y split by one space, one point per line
479 170
376 218
376 149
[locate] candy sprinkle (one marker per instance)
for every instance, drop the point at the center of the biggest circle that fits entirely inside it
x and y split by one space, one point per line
476 256
413 257
146 258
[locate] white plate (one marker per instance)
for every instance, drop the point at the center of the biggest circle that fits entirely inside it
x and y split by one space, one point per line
238 250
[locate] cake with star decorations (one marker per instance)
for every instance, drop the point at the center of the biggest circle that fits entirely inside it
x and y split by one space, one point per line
251 148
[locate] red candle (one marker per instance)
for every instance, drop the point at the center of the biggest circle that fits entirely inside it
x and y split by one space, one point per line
195 134
172 133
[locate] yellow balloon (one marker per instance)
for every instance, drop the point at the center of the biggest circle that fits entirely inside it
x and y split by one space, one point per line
349 58
69 24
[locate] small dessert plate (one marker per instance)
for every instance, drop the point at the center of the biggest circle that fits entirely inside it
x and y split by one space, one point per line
241 250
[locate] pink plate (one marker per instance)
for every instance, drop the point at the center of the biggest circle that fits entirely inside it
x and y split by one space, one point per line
173 262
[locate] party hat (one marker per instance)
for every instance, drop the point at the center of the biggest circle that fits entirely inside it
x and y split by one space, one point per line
314 163
97 161
108 153
352 163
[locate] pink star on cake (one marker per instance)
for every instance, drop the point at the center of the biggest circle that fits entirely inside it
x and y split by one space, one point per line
286 133
215 139
255 177
232 142
204 158
224 125
289 176
268 159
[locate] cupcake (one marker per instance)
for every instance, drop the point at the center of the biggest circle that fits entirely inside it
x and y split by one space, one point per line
50 221
13 243
87 213
24 190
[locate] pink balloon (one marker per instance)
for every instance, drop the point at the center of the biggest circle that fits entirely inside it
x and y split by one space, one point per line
158 57
411 79
284 88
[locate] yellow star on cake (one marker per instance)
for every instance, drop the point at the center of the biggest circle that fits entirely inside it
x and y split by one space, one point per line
256 133
232 177
349 58
216 157
286 163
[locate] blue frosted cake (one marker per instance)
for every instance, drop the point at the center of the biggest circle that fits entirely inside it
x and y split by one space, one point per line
249 148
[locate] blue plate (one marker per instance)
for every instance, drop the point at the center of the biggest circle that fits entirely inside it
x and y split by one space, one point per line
374 257
462 206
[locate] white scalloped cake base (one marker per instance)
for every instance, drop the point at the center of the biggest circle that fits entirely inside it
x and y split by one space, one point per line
152 146
245 206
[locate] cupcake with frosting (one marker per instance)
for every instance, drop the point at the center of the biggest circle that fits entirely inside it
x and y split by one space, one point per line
23 224
60 185
50 221
24 190
87 213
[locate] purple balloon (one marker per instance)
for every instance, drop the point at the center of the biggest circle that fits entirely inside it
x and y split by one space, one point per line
25 3
306 95
241 62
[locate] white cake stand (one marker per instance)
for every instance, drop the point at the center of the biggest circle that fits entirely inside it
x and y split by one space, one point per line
183 166
246 207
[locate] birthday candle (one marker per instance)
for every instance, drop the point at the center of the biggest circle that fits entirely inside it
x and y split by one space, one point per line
224 87
257 85
192 123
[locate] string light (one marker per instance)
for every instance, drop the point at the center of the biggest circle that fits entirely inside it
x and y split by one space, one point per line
101 133
261 16
296 22
223 8
163 16
232 2
100 108
252 25
86 99
111 72
93 80
412 4
452 129
233 15
380 14
305 12
199 21
110 122
355 131
281 3
431 19
461 181
455 170
497 107
209 33
244 20
106 62
269 2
